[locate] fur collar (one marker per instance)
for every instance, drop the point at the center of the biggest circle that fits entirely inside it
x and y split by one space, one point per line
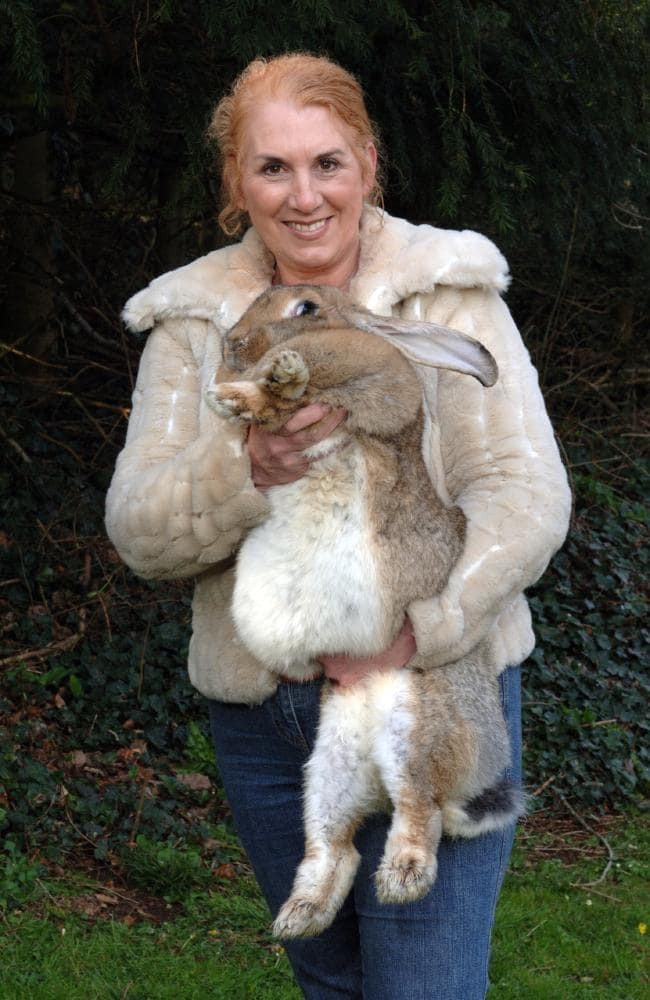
397 260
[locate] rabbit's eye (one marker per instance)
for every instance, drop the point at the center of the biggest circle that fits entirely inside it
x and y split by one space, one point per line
306 308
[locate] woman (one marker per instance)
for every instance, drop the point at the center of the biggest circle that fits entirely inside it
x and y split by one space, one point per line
299 163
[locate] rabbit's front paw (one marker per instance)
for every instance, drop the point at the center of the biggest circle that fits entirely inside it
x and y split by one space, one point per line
405 876
286 375
234 400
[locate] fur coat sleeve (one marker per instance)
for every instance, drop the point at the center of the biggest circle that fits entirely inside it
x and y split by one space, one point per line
181 496
500 463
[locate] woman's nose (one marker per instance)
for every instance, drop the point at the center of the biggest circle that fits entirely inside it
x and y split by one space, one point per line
304 195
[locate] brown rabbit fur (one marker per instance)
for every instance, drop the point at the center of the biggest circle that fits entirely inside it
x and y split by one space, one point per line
344 551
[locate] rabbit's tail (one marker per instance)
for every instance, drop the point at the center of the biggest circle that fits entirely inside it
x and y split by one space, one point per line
492 809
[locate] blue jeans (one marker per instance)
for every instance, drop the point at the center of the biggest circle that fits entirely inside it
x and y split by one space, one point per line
437 948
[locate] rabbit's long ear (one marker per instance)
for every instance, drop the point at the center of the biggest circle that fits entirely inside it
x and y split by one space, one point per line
434 346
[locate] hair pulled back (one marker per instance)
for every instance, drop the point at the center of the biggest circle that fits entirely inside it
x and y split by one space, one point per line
303 79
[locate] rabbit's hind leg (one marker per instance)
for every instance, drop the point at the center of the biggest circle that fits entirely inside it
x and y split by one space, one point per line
323 880
338 784
409 866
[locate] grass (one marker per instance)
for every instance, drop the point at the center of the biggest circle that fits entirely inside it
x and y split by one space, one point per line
218 949
559 936
556 938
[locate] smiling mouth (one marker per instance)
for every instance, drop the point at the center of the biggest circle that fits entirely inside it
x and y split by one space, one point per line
306 227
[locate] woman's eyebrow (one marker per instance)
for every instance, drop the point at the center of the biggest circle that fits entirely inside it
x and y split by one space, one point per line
318 156
330 152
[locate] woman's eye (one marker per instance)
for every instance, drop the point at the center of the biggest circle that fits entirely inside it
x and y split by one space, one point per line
328 165
272 169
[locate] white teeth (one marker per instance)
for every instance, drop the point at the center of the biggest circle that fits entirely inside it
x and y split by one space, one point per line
306 227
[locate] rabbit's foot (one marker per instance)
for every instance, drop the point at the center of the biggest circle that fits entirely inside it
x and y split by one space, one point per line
406 875
239 401
322 882
301 916
286 375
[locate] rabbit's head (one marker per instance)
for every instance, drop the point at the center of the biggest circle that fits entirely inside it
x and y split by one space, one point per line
281 312
285 311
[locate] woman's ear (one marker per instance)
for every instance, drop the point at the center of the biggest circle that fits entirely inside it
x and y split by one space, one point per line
370 170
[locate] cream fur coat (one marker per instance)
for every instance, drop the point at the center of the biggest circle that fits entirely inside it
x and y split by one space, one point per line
181 498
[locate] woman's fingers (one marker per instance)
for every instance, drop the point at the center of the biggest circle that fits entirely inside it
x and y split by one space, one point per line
312 424
273 459
278 458
348 670
305 417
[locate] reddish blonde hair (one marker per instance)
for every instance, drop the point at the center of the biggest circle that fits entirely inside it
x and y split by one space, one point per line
299 77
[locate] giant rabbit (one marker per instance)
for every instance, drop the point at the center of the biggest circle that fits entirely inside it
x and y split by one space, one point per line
333 569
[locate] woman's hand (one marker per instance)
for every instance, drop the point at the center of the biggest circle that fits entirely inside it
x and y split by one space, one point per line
278 458
347 670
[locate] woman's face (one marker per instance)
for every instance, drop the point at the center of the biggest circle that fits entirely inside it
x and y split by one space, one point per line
303 188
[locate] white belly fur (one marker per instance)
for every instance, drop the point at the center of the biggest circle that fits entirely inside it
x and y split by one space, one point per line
307 579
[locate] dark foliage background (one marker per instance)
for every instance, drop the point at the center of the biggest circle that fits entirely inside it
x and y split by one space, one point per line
524 121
